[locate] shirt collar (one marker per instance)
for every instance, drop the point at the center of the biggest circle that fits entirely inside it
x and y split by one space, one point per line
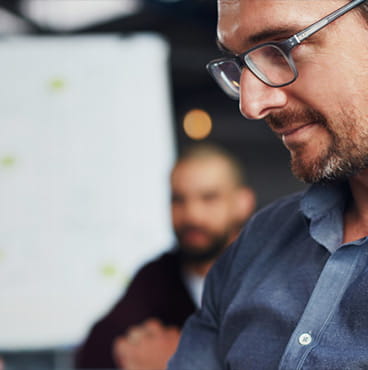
323 206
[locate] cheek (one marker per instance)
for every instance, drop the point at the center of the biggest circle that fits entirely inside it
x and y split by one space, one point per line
315 84
332 81
219 214
176 215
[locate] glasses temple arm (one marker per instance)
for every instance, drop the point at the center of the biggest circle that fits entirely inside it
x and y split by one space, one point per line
302 35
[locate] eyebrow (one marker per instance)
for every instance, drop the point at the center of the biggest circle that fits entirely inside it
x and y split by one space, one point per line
272 33
265 35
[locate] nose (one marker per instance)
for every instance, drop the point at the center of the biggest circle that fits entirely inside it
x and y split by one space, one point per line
257 99
193 212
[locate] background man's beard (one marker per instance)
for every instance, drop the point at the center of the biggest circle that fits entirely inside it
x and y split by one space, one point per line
195 255
345 156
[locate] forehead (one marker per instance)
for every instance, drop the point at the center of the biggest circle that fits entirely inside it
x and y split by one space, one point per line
240 20
204 173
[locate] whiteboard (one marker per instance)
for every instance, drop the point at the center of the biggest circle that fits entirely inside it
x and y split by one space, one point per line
86 146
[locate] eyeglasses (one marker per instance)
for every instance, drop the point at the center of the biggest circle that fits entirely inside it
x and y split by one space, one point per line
271 62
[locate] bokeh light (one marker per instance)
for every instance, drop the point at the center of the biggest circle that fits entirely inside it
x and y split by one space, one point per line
197 124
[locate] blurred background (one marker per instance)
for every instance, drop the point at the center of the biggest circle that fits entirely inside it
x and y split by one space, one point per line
97 98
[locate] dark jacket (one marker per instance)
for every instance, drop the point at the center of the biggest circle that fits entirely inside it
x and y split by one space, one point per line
157 291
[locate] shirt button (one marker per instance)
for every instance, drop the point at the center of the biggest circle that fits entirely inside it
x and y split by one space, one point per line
305 339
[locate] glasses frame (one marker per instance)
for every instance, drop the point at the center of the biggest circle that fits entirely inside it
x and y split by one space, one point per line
285 46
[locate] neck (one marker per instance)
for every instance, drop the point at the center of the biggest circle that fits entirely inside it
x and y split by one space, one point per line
356 214
200 269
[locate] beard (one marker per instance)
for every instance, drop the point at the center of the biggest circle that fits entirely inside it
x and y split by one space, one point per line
195 254
346 155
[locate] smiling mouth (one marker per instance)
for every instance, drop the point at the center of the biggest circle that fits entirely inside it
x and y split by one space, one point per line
289 131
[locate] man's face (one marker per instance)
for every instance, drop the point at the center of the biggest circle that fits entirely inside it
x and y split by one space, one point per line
204 197
322 117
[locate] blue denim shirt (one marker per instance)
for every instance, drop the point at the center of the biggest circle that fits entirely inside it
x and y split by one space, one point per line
286 295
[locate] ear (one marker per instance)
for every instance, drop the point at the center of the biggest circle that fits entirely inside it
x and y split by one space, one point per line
245 204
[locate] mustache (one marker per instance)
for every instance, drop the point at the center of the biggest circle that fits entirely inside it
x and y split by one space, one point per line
287 117
190 228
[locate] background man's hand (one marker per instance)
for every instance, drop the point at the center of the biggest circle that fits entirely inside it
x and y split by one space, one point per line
146 347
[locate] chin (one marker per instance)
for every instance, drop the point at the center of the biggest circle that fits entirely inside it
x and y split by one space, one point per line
327 169
315 162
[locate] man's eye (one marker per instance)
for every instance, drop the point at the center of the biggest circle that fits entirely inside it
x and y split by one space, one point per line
176 199
273 54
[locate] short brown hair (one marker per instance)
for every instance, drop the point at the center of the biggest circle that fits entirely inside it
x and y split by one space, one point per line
206 150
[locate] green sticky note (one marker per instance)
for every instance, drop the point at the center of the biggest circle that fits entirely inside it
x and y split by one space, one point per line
7 161
57 84
109 270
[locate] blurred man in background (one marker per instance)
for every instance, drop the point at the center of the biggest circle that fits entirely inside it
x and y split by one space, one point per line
209 205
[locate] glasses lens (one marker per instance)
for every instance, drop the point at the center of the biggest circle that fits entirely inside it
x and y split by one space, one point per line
271 65
227 74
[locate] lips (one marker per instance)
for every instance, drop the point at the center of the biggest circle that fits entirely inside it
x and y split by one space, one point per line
291 130
191 234
300 135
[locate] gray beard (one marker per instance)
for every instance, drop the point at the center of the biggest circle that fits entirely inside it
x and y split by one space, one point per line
342 160
346 156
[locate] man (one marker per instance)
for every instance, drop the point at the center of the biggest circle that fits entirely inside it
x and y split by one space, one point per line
209 205
292 292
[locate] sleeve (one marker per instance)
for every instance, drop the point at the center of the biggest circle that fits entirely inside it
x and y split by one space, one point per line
134 307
